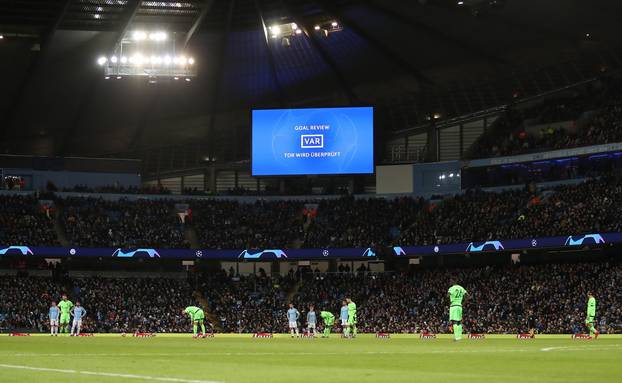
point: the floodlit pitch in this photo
(242, 358)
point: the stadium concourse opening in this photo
(232, 191)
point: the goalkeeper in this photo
(329, 321)
(197, 316)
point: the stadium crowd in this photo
(590, 206)
(97, 222)
(244, 304)
(601, 124)
(24, 221)
(499, 300)
(112, 304)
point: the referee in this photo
(531, 323)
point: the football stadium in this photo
(293, 191)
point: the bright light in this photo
(460, 2)
(153, 59)
(139, 35)
(107, 78)
(298, 31)
(317, 27)
(123, 60)
(167, 60)
(191, 61)
(119, 77)
(294, 26)
(188, 79)
(176, 78)
(102, 60)
(334, 24)
(451, 175)
(114, 59)
(276, 30)
(181, 60)
(158, 36)
(1, 37)
(137, 59)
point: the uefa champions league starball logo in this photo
(325, 253)
(72, 251)
(436, 249)
(534, 243)
(199, 253)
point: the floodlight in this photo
(191, 61)
(102, 60)
(317, 27)
(298, 31)
(334, 24)
(294, 26)
(123, 60)
(114, 59)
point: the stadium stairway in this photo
(59, 228)
(295, 289)
(191, 236)
(211, 318)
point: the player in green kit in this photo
(197, 316)
(591, 315)
(329, 321)
(65, 306)
(351, 319)
(457, 294)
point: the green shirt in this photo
(351, 309)
(591, 307)
(456, 295)
(65, 306)
(192, 310)
(327, 316)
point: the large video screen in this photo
(313, 141)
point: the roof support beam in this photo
(45, 41)
(207, 7)
(324, 54)
(380, 46)
(281, 93)
(217, 81)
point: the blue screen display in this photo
(313, 141)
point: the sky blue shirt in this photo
(292, 315)
(78, 312)
(311, 317)
(54, 312)
(344, 312)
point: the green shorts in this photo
(64, 318)
(352, 320)
(199, 316)
(455, 313)
(590, 319)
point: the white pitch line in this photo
(206, 354)
(580, 348)
(107, 374)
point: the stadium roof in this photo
(55, 100)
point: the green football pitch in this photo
(240, 358)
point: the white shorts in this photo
(344, 322)
(311, 325)
(54, 322)
(77, 322)
(293, 324)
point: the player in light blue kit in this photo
(311, 320)
(343, 316)
(78, 312)
(292, 318)
(54, 314)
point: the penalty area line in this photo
(106, 374)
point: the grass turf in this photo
(239, 358)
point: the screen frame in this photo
(374, 141)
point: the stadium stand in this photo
(595, 113)
(499, 298)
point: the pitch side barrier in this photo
(562, 242)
